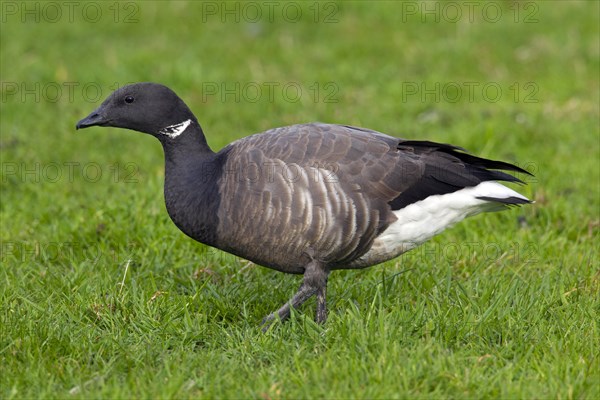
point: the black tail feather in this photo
(467, 158)
(449, 168)
(513, 201)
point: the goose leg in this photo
(321, 314)
(315, 282)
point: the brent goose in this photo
(311, 198)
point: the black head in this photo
(144, 107)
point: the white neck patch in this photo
(173, 131)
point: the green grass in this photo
(102, 297)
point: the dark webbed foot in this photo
(315, 282)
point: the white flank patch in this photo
(424, 219)
(173, 131)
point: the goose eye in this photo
(129, 99)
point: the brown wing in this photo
(311, 191)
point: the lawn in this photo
(102, 297)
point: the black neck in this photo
(190, 144)
(191, 191)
